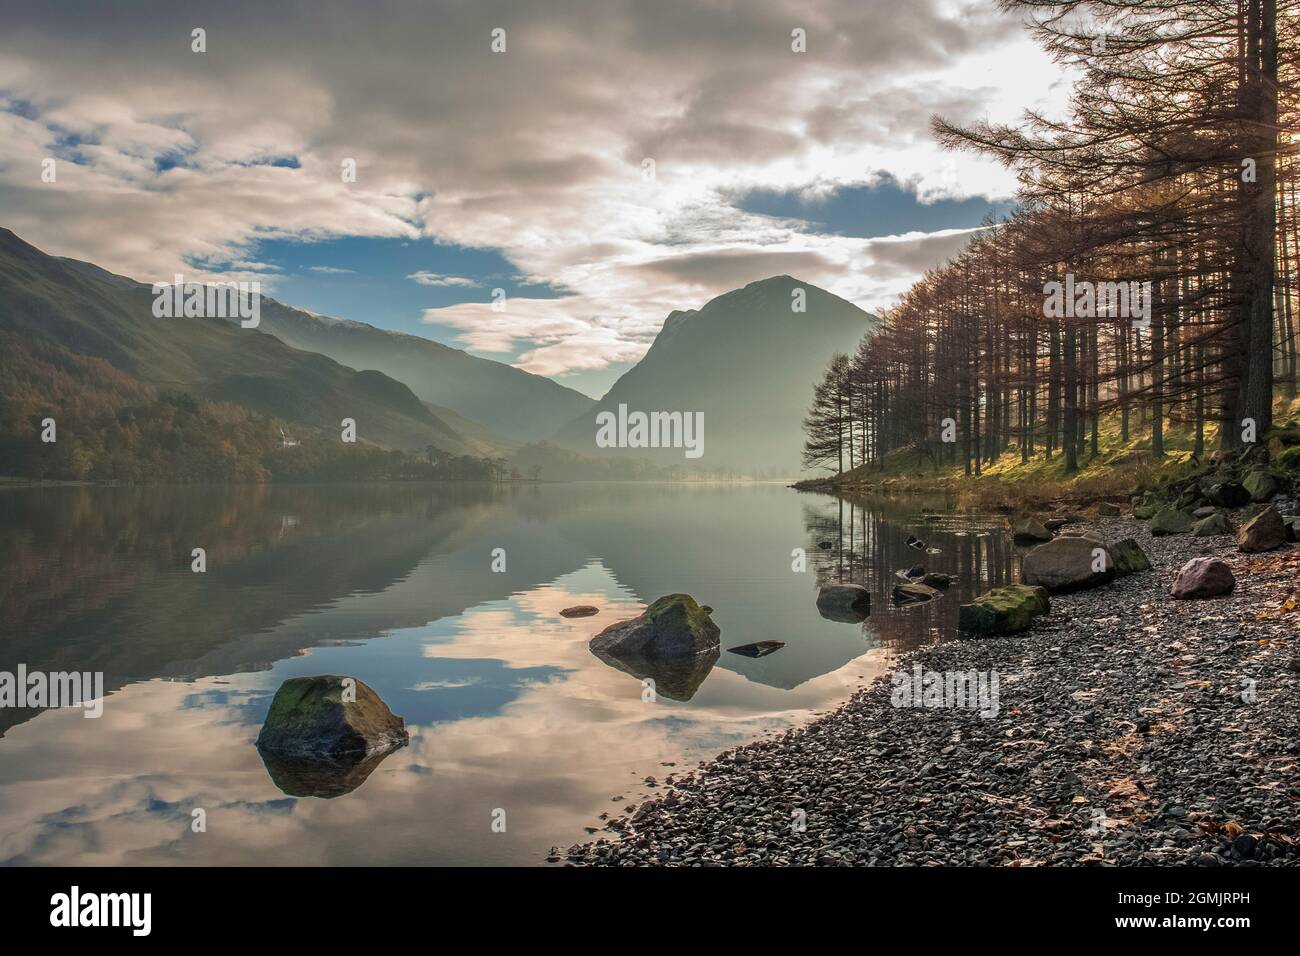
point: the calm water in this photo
(507, 708)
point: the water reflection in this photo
(507, 707)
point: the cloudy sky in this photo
(524, 170)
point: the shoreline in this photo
(1128, 732)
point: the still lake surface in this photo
(507, 707)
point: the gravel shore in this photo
(1132, 729)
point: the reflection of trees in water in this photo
(868, 544)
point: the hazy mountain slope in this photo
(748, 363)
(86, 311)
(514, 404)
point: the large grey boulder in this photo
(1030, 529)
(329, 717)
(1004, 610)
(1068, 564)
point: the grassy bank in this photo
(1115, 473)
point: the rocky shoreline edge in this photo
(1130, 729)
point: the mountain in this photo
(513, 404)
(748, 363)
(76, 338)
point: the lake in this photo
(512, 718)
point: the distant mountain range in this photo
(511, 405)
(748, 362)
(75, 335)
(64, 306)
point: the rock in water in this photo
(935, 579)
(324, 717)
(913, 593)
(674, 642)
(673, 626)
(843, 602)
(1068, 564)
(1028, 529)
(757, 649)
(1004, 610)
(1261, 485)
(1203, 578)
(1170, 521)
(579, 610)
(1215, 523)
(1264, 532)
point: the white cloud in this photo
(433, 279)
(536, 153)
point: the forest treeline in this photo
(110, 426)
(1149, 272)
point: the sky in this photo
(546, 204)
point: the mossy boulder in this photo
(1128, 556)
(1107, 510)
(1171, 521)
(1004, 610)
(331, 718)
(1145, 507)
(1215, 523)
(672, 626)
(1261, 485)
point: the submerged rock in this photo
(757, 649)
(843, 602)
(935, 579)
(1203, 578)
(672, 626)
(913, 593)
(579, 610)
(1004, 610)
(677, 678)
(1264, 532)
(1170, 521)
(329, 717)
(321, 777)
